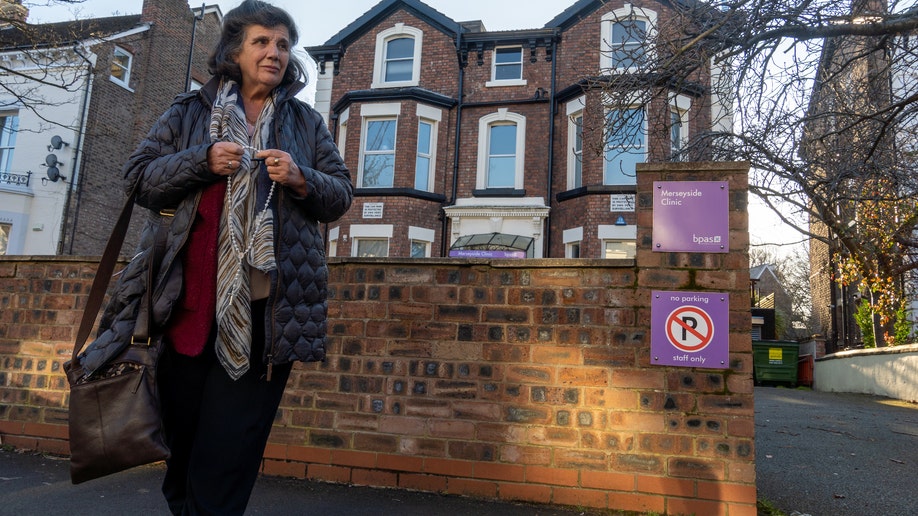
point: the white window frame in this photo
(503, 116)
(6, 231)
(375, 113)
(342, 131)
(618, 234)
(126, 80)
(629, 251)
(16, 222)
(370, 232)
(607, 163)
(573, 237)
(422, 235)
(8, 141)
(355, 246)
(575, 109)
(432, 116)
(400, 30)
(679, 105)
(607, 46)
(505, 82)
(333, 235)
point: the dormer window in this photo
(507, 67)
(398, 57)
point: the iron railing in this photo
(15, 179)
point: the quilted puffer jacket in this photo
(171, 166)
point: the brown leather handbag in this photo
(115, 421)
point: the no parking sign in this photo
(690, 329)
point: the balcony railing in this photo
(10, 178)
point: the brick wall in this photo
(519, 380)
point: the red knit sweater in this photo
(193, 317)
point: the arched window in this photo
(501, 150)
(398, 57)
(627, 36)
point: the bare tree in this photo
(793, 272)
(39, 57)
(825, 99)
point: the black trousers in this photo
(216, 428)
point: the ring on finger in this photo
(276, 161)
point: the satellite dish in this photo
(54, 174)
(57, 142)
(51, 160)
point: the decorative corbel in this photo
(479, 47)
(532, 51)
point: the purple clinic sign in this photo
(482, 253)
(690, 329)
(691, 216)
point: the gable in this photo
(386, 8)
(584, 8)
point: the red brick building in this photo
(163, 55)
(464, 142)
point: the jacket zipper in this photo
(271, 346)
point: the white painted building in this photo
(42, 110)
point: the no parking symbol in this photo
(690, 329)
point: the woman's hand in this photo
(223, 158)
(284, 171)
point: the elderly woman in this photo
(242, 173)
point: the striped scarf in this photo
(246, 238)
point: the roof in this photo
(583, 8)
(385, 8)
(755, 273)
(64, 33)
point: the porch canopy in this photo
(492, 245)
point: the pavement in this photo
(822, 454)
(831, 454)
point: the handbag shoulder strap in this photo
(104, 274)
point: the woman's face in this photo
(263, 57)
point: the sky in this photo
(318, 21)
